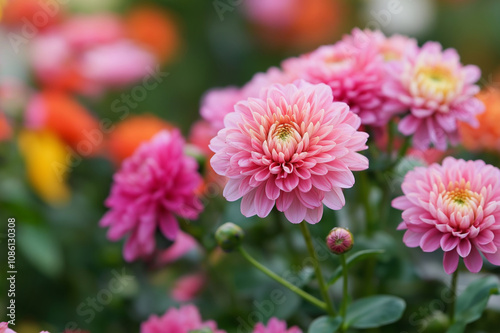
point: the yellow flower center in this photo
(436, 81)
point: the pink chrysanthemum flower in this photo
(456, 207)
(355, 75)
(293, 146)
(153, 186)
(437, 90)
(182, 320)
(275, 326)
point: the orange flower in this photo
(297, 24)
(487, 135)
(155, 29)
(40, 14)
(129, 134)
(60, 113)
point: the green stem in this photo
(345, 300)
(285, 283)
(454, 280)
(317, 269)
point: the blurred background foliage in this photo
(64, 258)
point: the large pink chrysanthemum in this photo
(275, 326)
(293, 146)
(153, 186)
(182, 320)
(355, 75)
(455, 206)
(218, 102)
(437, 90)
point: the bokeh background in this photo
(63, 257)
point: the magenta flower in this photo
(153, 186)
(182, 320)
(294, 147)
(437, 90)
(455, 207)
(355, 75)
(275, 326)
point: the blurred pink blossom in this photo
(154, 186)
(182, 320)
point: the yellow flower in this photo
(46, 164)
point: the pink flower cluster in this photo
(455, 207)
(294, 147)
(380, 78)
(154, 186)
(188, 318)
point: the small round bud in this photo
(229, 236)
(339, 240)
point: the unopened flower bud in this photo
(229, 236)
(339, 240)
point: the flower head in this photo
(339, 240)
(275, 326)
(455, 207)
(487, 135)
(353, 73)
(438, 90)
(153, 186)
(294, 147)
(182, 320)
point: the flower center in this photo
(436, 81)
(283, 131)
(460, 196)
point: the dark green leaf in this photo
(325, 324)
(358, 256)
(471, 303)
(374, 311)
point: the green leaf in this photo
(374, 311)
(325, 324)
(472, 302)
(40, 248)
(358, 256)
(458, 327)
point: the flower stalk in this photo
(317, 269)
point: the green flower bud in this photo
(229, 236)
